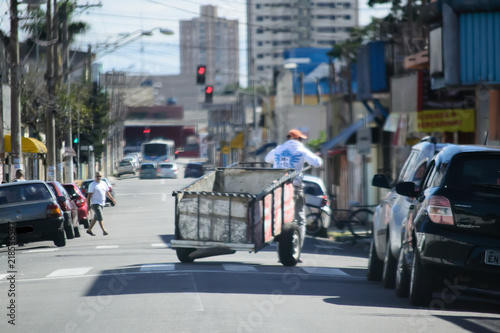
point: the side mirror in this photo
(381, 180)
(407, 189)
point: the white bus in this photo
(158, 150)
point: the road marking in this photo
(107, 246)
(324, 271)
(69, 272)
(328, 247)
(159, 245)
(41, 250)
(164, 197)
(239, 268)
(3, 275)
(157, 267)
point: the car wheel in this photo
(375, 265)
(389, 268)
(420, 282)
(60, 241)
(77, 231)
(289, 244)
(402, 276)
(70, 233)
(183, 254)
(314, 224)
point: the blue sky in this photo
(156, 54)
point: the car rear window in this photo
(167, 166)
(125, 163)
(28, 192)
(474, 169)
(70, 189)
(147, 166)
(312, 188)
(193, 166)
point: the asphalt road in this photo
(131, 281)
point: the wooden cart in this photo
(237, 209)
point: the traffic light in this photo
(209, 94)
(146, 131)
(201, 74)
(75, 140)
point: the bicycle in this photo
(357, 218)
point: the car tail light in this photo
(53, 210)
(80, 202)
(324, 202)
(158, 170)
(439, 210)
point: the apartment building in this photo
(278, 25)
(212, 41)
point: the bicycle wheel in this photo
(314, 224)
(361, 222)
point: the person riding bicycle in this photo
(292, 154)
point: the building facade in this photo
(211, 41)
(277, 25)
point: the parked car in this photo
(148, 170)
(69, 208)
(194, 169)
(315, 194)
(134, 160)
(81, 202)
(452, 233)
(167, 170)
(126, 167)
(86, 183)
(34, 208)
(392, 210)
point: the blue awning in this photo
(343, 136)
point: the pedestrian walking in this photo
(292, 154)
(19, 176)
(97, 193)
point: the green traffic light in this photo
(75, 140)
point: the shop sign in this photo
(446, 120)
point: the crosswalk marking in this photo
(69, 272)
(3, 276)
(324, 271)
(157, 267)
(159, 245)
(41, 250)
(107, 246)
(239, 268)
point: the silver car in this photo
(126, 167)
(167, 170)
(315, 194)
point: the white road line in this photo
(159, 245)
(157, 267)
(164, 197)
(107, 246)
(3, 276)
(328, 247)
(41, 250)
(324, 271)
(69, 272)
(239, 268)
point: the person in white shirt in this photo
(292, 154)
(19, 176)
(97, 193)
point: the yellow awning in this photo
(237, 141)
(28, 145)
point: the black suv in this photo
(451, 235)
(194, 169)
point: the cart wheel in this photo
(289, 244)
(183, 254)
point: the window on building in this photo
(259, 31)
(347, 17)
(260, 68)
(260, 43)
(259, 18)
(260, 56)
(259, 6)
(347, 4)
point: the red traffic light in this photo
(209, 90)
(147, 130)
(201, 70)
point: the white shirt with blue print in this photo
(292, 155)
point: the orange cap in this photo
(295, 134)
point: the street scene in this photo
(244, 166)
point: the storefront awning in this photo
(28, 145)
(343, 136)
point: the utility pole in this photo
(51, 90)
(65, 56)
(15, 139)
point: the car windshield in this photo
(28, 192)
